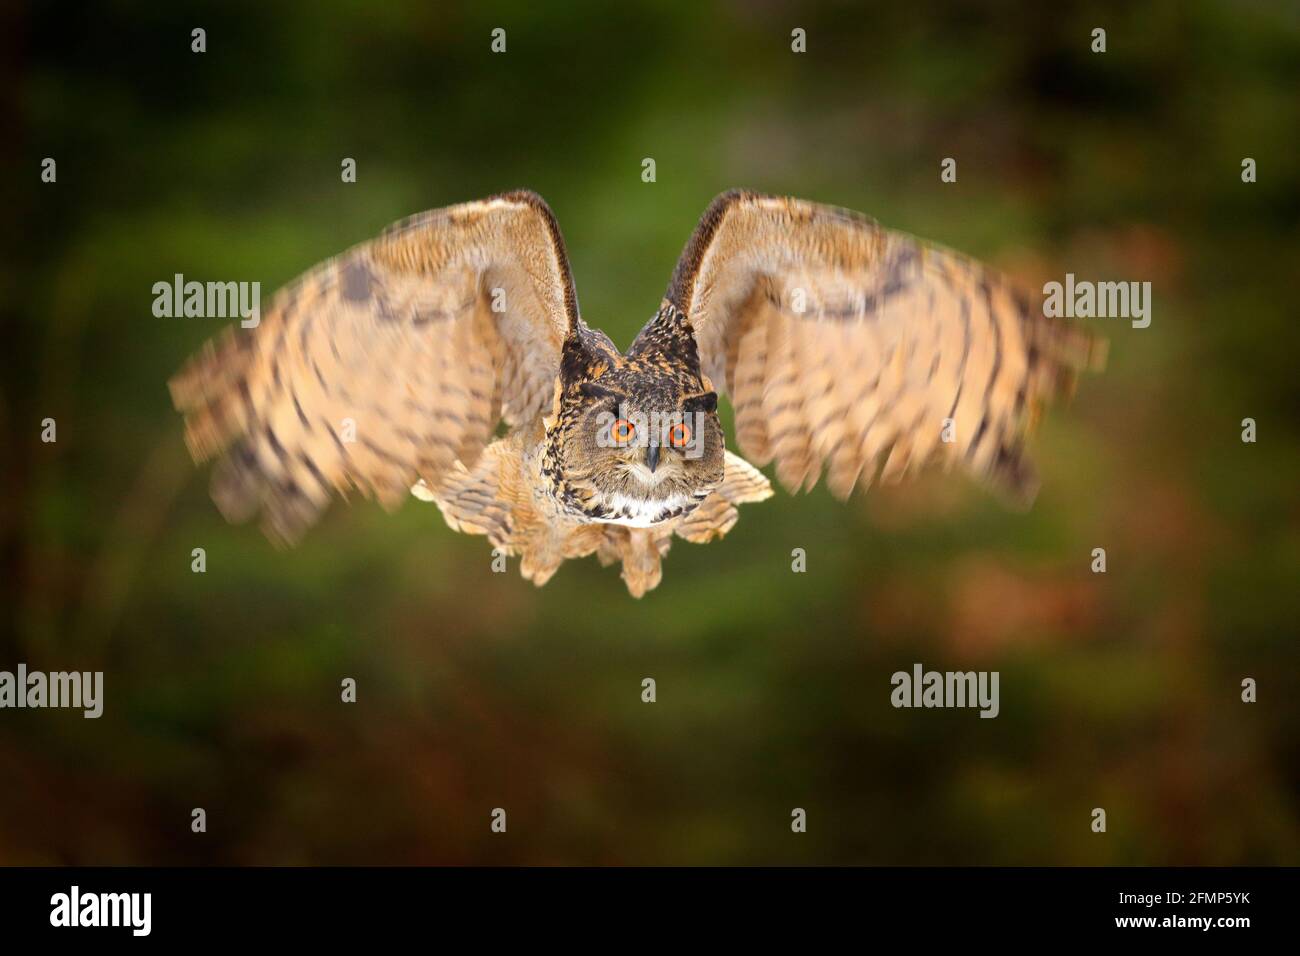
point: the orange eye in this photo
(622, 431)
(679, 435)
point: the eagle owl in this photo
(843, 347)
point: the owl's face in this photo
(636, 441)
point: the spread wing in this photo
(866, 352)
(385, 364)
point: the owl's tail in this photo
(642, 550)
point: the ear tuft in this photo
(668, 335)
(585, 354)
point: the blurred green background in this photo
(477, 690)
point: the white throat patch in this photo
(642, 512)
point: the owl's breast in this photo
(643, 512)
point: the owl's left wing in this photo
(390, 363)
(848, 347)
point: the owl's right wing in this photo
(384, 365)
(848, 347)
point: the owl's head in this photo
(634, 439)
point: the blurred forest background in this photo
(477, 690)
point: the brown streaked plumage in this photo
(844, 348)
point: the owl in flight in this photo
(843, 347)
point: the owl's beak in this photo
(652, 458)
